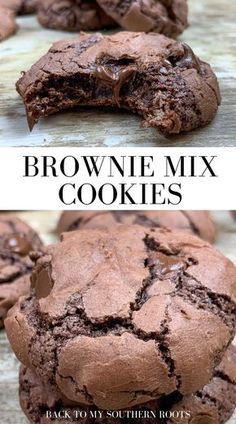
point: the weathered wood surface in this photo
(44, 222)
(212, 35)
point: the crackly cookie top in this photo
(199, 223)
(125, 316)
(85, 51)
(214, 404)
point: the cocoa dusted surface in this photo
(121, 317)
(8, 25)
(168, 17)
(17, 240)
(151, 75)
(214, 404)
(73, 15)
(199, 223)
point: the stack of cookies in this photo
(128, 321)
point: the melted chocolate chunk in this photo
(189, 59)
(114, 79)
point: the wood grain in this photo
(45, 223)
(212, 34)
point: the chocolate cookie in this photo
(17, 239)
(13, 5)
(8, 24)
(233, 214)
(73, 15)
(28, 6)
(20, 7)
(199, 223)
(121, 317)
(168, 17)
(214, 404)
(158, 78)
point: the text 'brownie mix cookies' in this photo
(17, 240)
(73, 15)
(168, 17)
(199, 223)
(214, 404)
(121, 317)
(149, 74)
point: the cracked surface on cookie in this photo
(149, 74)
(199, 223)
(168, 17)
(73, 15)
(17, 239)
(124, 316)
(214, 404)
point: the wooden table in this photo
(44, 222)
(212, 35)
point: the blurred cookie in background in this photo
(199, 223)
(8, 25)
(17, 240)
(73, 15)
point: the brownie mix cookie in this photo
(8, 25)
(169, 17)
(28, 6)
(214, 404)
(233, 214)
(73, 15)
(13, 5)
(121, 317)
(158, 78)
(20, 7)
(199, 223)
(17, 239)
